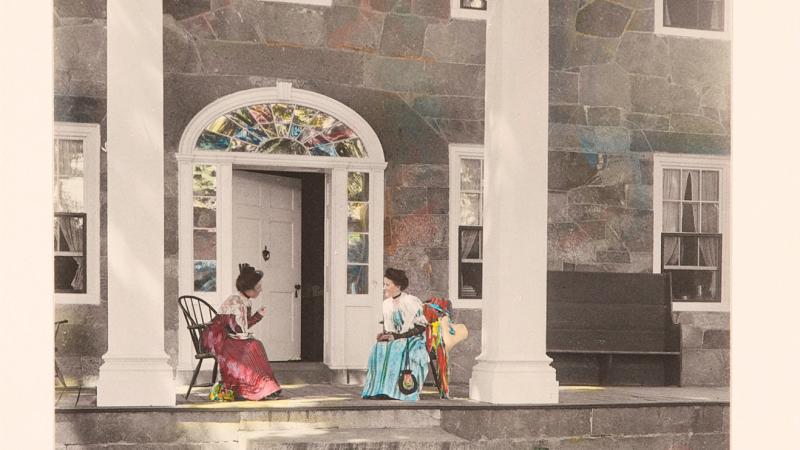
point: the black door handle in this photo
(265, 254)
(296, 290)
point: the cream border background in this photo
(765, 301)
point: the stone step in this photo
(323, 419)
(301, 372)
(428, 438)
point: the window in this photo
(694, 18)
(204, 227)
(357, 232)
(466, 225)
(76, 206)
(691, 210)
(468, 9)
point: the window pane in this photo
(711, 15)
(70, 234)
(710, 185)
(695, 285)
(690, 185)
(690, 222)
(205, 244)
(358, 216)
(205, 276)
(470, 209)
(709, 251)
(68, 176)
(710, 218)
(205, 212)
(357, 277)
(70, 274)
(471, 174)
(680, 13)
(689, 251)
(670, 250)
(671, 219)
(357, 248)
(470, 243)
(204, 180)
(358, 186)
(672, 184)
(470, 280)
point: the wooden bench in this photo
(612, 329)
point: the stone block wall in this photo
(79, 39)
(618, 93)
(705, 346)
(416, 76)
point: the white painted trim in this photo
(89, 133)
(283, 92)
(686, 32)
(457, 12)
(457, 152)
(663, 161)
(335, 168)
(303, 2)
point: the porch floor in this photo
(334, 396)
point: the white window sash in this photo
(457, 153)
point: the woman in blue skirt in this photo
(402, 340)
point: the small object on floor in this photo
(274, 396)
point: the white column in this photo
(135, 371)
(513, 367)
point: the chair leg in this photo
(194, 378)
(60, 375)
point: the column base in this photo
(513, 382)
(136, 381)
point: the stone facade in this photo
(79, 37)
(618, 93)
(706, 348)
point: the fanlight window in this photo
(281, 128)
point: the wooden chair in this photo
(198, 314)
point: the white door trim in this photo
(339, 305)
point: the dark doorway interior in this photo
(312, 274)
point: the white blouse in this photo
(402, 313)
(237, 305)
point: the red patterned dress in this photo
(242, 359)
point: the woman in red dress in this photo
(242, 359)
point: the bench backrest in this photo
(596, 311)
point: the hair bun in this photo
(244, 268)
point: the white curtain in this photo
(70, 228)
(671, 211)
(468, 239)
(710, 252)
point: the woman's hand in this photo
(262, 311)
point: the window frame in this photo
(457, 12)
(663, 161)
(89, 133)
(457, 153)
(660, 29)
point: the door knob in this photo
(296, 290)
(265, 254)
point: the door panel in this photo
(266, 211)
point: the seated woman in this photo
(242, 359)
(402, 340)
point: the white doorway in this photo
(266, 235)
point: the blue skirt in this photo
(387, 360)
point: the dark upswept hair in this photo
(248, 277)
(398, 277)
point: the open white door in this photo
(266, 234)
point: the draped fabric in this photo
(387, 358)
(72, 230)
(671, 214)
(435, 309)
(467, 241)
(709, 250)
(242, 359)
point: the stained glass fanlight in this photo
(281, 128)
